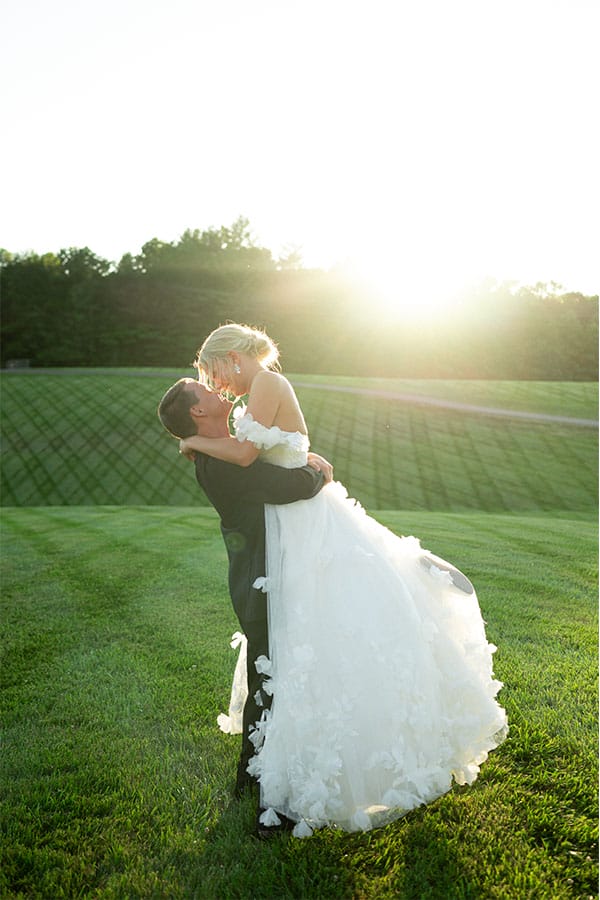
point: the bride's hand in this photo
(321, 465)
(186, 450)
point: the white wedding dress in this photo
(380, 671)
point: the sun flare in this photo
(415, 294)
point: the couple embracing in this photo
(367, 685)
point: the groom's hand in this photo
(321, 465)
(186, 451)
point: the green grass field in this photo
(116, 782)
(576, 399)
(95, 439)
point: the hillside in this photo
(92, 437)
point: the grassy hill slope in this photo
(93, 438)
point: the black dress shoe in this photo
(265, 832)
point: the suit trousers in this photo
(258, 645)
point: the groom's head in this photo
(188, 408)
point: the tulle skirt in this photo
(380, 671)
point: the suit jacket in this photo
(239, 494)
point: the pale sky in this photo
(430, 140)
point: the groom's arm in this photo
(263, 483)
(273, 484)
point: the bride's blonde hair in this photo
(212, 355)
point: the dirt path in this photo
(419, 400)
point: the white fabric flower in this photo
(302, 830)
(263, 665)
(270, 818)
(258, 732)
(261, 584)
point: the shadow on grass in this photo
(409, 858)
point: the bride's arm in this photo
(228, 449)
(263, 404)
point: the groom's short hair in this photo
(174, 409)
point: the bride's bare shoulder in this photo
(272, 401)
(271, 381)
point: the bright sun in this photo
(413, 294)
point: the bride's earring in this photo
(236, 369)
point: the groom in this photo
(239, 495)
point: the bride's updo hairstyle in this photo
(212, 359)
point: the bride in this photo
(380, 671)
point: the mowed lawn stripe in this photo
(117, 782)
(74, 439)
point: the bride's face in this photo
(231, 375)
(223, 380)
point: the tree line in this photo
(74, 308)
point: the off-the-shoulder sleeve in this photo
(246, 429)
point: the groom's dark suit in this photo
(239, 494)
